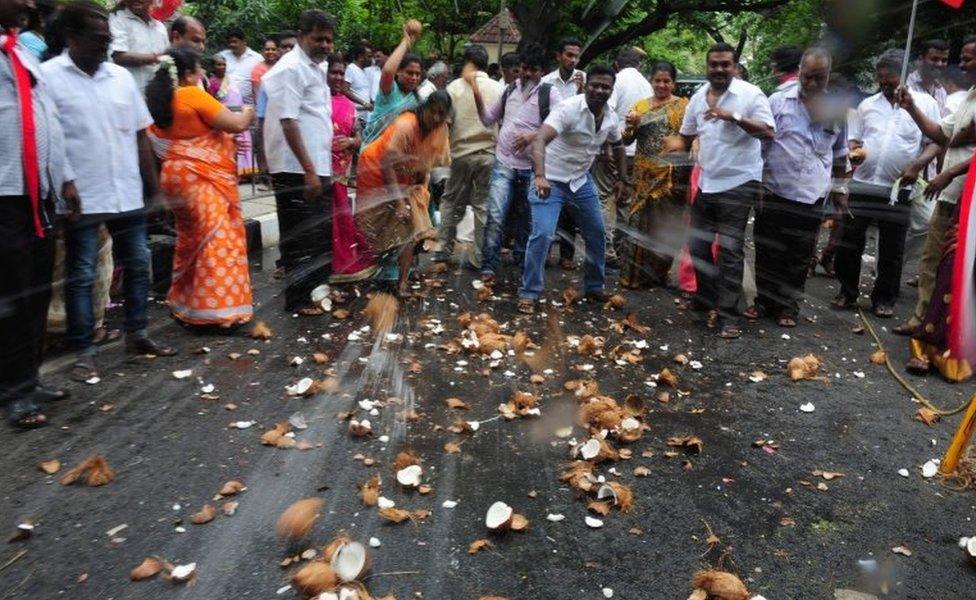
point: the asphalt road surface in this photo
(172, 450)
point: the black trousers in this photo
(725, 214)
(872, 205)
(26, 265)
(305, 232)
(786, 238)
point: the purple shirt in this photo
(521, 116)
(800, 157)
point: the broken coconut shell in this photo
(350, 561)
(314, 578)
(499, 516)
(719, 585)
(147, 569)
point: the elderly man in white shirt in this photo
(730, 118)
(895, 153)
(104, 118)
(630, 86)
(241, 60)
(298, 148)
(137, 40)
(575, 132)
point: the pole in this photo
(908, 43)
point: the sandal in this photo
(730, 332)
(883, 311)
(526, 306)
(24, 414)
(103, 335)
(712, 320)
(842, 302)
(84, 369)
(751, 313)
(905, 329)
(918, 366)
(786, 322)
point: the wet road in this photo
(172, 450)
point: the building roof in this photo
(488, 34)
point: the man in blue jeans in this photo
(520, 110)
(104, 118)
(577, 129)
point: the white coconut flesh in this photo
(605, 492)
(971, 547)
(590, 449)
(499, 515)
(410, 476)
(350, 561)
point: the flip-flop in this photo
(526, 306)
(83, 370)
(883, 311)
(786, 322)
(918, 366)
(730, 332)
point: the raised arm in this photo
(392, 64)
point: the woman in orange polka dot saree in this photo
(211, 283)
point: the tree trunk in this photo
(537, 22)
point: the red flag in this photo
(953, 3)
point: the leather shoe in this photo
(148, 346)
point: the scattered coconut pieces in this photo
(297, 520)
(95, 469)
(804, 367)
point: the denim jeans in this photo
(584, 206)
(508, 190)
(131, 248)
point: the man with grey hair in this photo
(895, 151)
(438, 75)
(809, 145)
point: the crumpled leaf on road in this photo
(478, 545)
(95, 469)
(689, 442)
(147, 569)
(927, 416)
(804, 367)
(589, 345)
(50, 466)
(369, 492)
(297, 520)
(206, 514)
(719, 585)
(261, 331)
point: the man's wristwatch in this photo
(737, 117)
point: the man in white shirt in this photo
(360, 58)
(137, 40)
(438, 76)
(241, 60)
(896, 151)
(630, 86)
(575, 132)
(946, 187)
(374, 72)
(472, 156)
(104, 118)
(567, 79)
(298, 148)
(730, 118)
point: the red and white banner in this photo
(162, 10)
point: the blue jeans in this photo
(131, 248)
(584, 207)
(508, 190)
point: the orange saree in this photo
(211, 283)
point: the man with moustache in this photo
(138, 40)
(729, 117)
(298, 149)
(577, 129)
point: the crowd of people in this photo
(120, 117)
